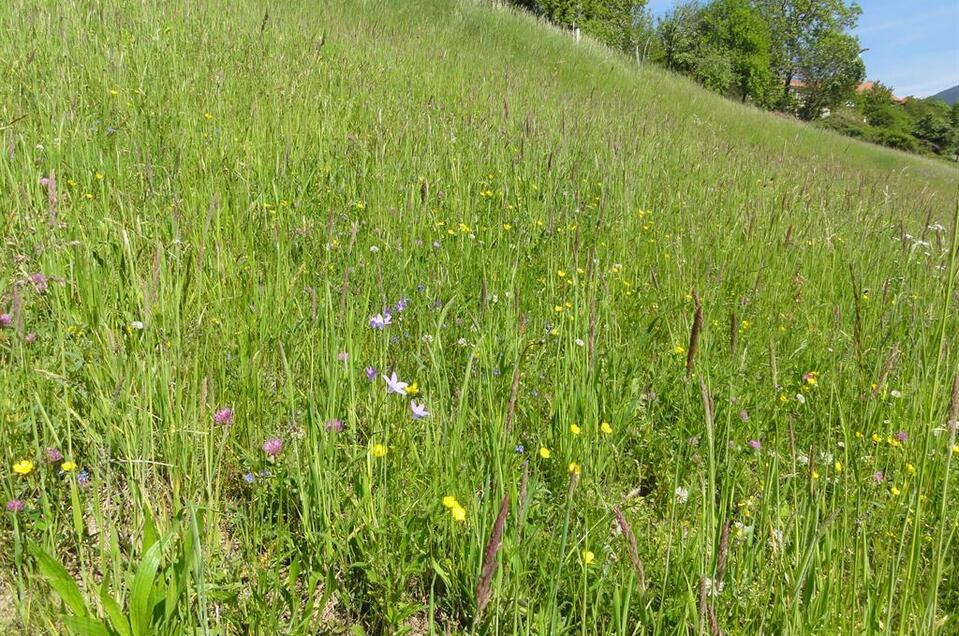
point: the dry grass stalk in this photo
(633, 547)
(694, 335)
(489, 557)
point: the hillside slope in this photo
(207, 209)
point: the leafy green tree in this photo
(831, 70)
(810, 41)
(737, 29)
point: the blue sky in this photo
(913, 44)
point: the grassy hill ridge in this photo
(208, 211)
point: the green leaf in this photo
(119, 622)
(60, 580)
(141, 607)
(85, 626)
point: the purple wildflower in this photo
(31, 337)
(273, 446)
(755, 444)
(902, 436)
(334, 426)
(53, 455)
(223, 416)
(39, 282)
(379, 321)
(342, 356)
(5, 320)
(394, 385)
(520, 449)
(248, 478)
(744, 415)
(878, 477)
(419, 410)
(371, 373)
(15, 506)
(83, 478)
(401, 304)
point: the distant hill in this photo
(950, 95)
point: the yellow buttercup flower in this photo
(450, 502)
(574, 468)
(459, 513)
(606, 428)
(23, 467)
(894, 491)
(838, 466)
(413, 389)
(378, 450)
(67, 466)
(588, 557)
(544, 452)
(910, 469)
(574, 429)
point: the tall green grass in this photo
(232, 190)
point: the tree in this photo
(612, 22)
(810, 41)
(723, 45)
(831, 69)
(736, 28)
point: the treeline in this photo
(924, 126)
(793, 56)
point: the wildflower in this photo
(223, 416)
(450, 502)
(334, 426)
(606, 428)
(588, 557)
(39, 282)
(419, 410)
(800, 398)
(83, 478)
(5, 320)
(574, 468)
(273, 446)
(394, 385)
(379, 321)
(137, 325)
(955, 449)
(53, 455)
(877, 438)
(68, 466)
(894, 491)
(23, 467)
(520, 449)
(810, 378)
(679, 350)
(579, 342)
(910, 469)
(401, 304)
(838, 466)
(458, 513)
(378, 450)
(413, 389)
(815, 475)
(544, 452)
(744, 415)
(371, 373)
(681, 495)
(342, 356)
(878, 477)
(902, 436)
(755, 444)
(574, 429)
(15, 506)
(248, 478)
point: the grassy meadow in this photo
(664, 364)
